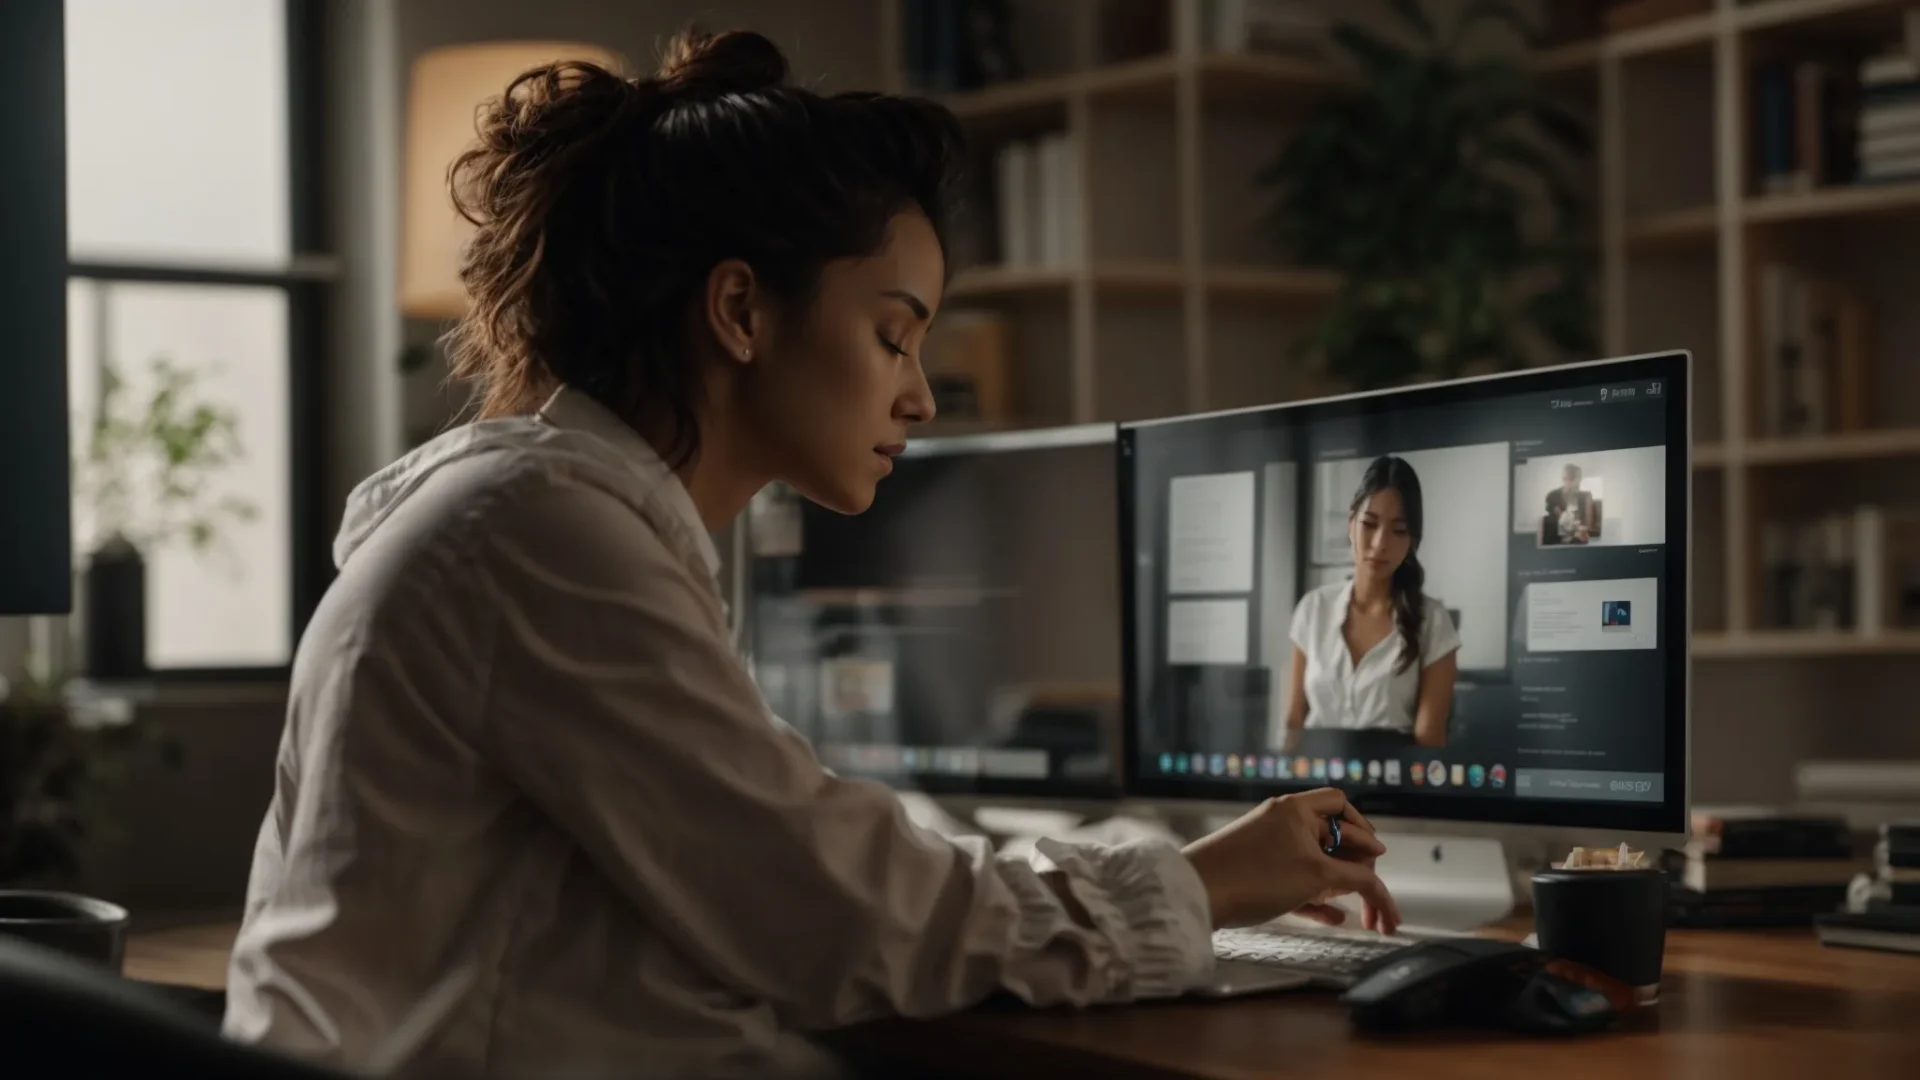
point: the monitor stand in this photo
(1446, 885)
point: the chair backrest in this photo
(58, 1008)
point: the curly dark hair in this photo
(603, 203)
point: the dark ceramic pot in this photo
(68, 922)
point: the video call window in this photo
(1525, 658)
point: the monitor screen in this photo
(962, 636)
(36, 555)
(1466, 600)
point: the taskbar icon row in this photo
(1387, 772)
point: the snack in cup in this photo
(1620, 858)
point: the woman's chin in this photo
(849, 498)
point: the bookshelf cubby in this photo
(1176, 302)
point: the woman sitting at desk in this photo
(1375, 653)
(525, 777)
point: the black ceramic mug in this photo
(1614, 921)
(76, 925)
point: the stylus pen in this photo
(1333, 845)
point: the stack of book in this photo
(1890, 115)
(1760, 868)
(1806, 116)
(1837, 119)
(1883, 911)
(1036, 188)
(1896, 861)
(1815, 353)
(968, 357)
(952, 45)
(1857, 571)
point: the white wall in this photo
(1631, 485)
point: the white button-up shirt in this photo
(1373, 693)
(520, 744)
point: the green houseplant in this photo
(60, 757)
(143, 480)
(1442, 188)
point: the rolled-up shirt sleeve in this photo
(619, 707)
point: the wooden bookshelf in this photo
(987, 282)
(1861, 200)
(1689, 276)
(1175, 307)
(1848, 446)
(1808, 644)
(1694, 227)
(1691, 33)
(1809, 15)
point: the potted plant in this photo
(1442, 188)
(144, 480)
(60, 758)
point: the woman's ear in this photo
(731, 310)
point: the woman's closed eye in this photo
(890, 345)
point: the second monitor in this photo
(960, 637)
(1460, 601)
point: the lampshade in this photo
(444, 93)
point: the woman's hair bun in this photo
(736, 62)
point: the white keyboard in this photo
(1331, 957)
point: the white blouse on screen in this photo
(1374, 693)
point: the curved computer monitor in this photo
(1554, 546)
(962, 636)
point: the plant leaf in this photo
(1496, 11)
(1415, 16)
(1374, 54)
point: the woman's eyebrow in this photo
(917, 305)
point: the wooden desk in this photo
(1734, 1004)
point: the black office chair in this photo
(61, 1016)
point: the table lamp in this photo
(445, 90)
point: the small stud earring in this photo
(746, 354)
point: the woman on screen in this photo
(1376, 653)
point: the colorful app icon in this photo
(1417, 773)
(1458, 778)
(1336, 769)
(1266, 767)
(1302, 768)
(1355, 769)
(1180, 763)
(1498, 774)
(1436, 773)
(1392, 770)
(1166, 763)
(1476, 776)
(1319, 768)
(1217, 764)
(1283, 766)
(1373, 772)
(1233, 764)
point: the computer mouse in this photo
(1438, 982)
(1549, 1003)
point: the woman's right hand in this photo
(1272, 861)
